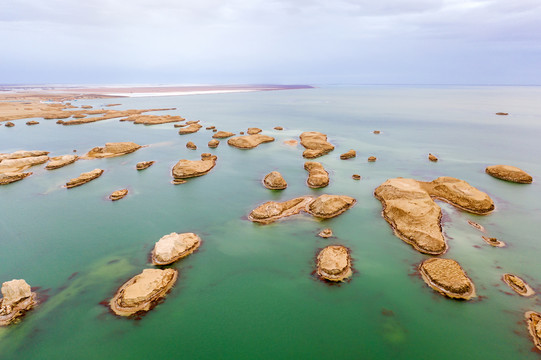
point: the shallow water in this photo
(249, 291)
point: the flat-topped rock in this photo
(372, 159)
(249, 141)
(17, 298)
(173, 247)
(253, 131)
(325, 233)
(60, 161)
(413, 215)
(509, 173)
(316, 144)
(32, 122)
(356, 177)
(111, 150)
(153, 119)
(143, 291)
(23, 154)
(214, 143)
(190, 145)
(348, 155)
(432, 157)
(119, 194)
(533, 321)
(377, 132)
(222, 135)
(184, 169)
(278, 128)
(273, 210)
(10, 177)
(318, 177)
(191, 128)
(21, 164)
(518, 285)
(447, 277)
(334, 263)
(492, 241)
(144, 164)
(328, 206)
(274, 181)
(502, 113)
(84, 178)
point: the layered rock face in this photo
(222, 134)
(21, 164)
(533, 320)
(273, 210)
(84, 178)
(334, 263)
(143, 291)
(33, 122)
(111, 150)
(328, 206)
(10, 177)
(17, 299)
(60, 161)
(318, 177)
(448, 278)
(173, 247)
(316, 144)
(249, 141)
(348, 155)
(509, 173)
(413, 215)
(119, 194)
(274, 181)
(143, 165)
(13, 164)
(191, 128)
(187, 168)
(518, 285)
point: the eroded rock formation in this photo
(348, 155)
(533, 320)
(144, 164)
(432, 157)
(518, 285)
(191, 128)
(17, 299)
(273, 210)
(334, 263)
(190, 145)
(60, 161)
(84, 178)
(509, 173)
(447, 277)
(188, 168)
(214, 143)
(119, 194)
(318, 177)
(274, 181)
(111, 150)
(222, 134)
(328, 206)
(316, 144)
(325, 233)
(249, 141)
(173, 247)
(253, 131)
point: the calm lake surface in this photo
(249, 292)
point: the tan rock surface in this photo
(84, 178)
(291, 142)
(153, 119)
(518, 285)
(111, 150)
(191, 128)
(21, 164)
(273, 210)
(509, 173)
(249, 141)
(253, 131)
(222, 134)
(334, 263)
(60, 161)
(33, 122)
(325, 233)
(10, 124)
(278, 128)
(143, 291)
(348, 155)
(144, 164)
(22, 154)
(316, 144)
(318, 177)
(447, 277)
(187, 168)
(377, 132)
(106, 115)
(213, 143)
(432, 157)
(533, 321)
(274, 181)
(492, 241)
(372, 159)
(10, 177)
(356, 177)
(119, 194)
(190, 145)
(17, 299)
(502, 113)
(173, 247)
(328, 206)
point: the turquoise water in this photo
(249, 292)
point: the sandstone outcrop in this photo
(371, 159)
(173, 247)
(111, 150)
(10, 124)
(153, 119)
(106, 115)
(348, 155)
(509, 173)
(334, 263)
(518, 285)
(316, 144)
(187, 168)
(210, 127)
(356, 177)
(278, 128)
(477, 226)
(60, 161)
(192, 122)
(274, 181)
(22, 154)
(318, 177)
(502, 113)
(119, 194)
(10, 177)
(191, 128)
(180, 125)
(325, 233)
(273, 210)
(191, 145)
(84, 178)
(214, 143)
(377, 132)
(21, 164)
(447, 277)
(328, 206)
(253, 131)
(143, 291)
(17, 299)
(492, 241)
(432, 157)
(533, 320)
(32, 122)
(144, 164)
(222, 134)
(249, 141)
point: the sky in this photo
(270, 41)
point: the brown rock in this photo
(274, 181)
(432, 157)
(143, 291)
(242, 133)
(144, 164)
(278, 128)
(253, 131)
(377, 132)
(214, 130)
(448, 278)
(328, 206)
(112, 104)
(21, 164)
(86, 107)
(76, 116)
(22, 154)
(153, 119)
(315, 143)
(84, 178)
(191, 145)
(477, 226)
(10, 124)
(111, 150)
(325, 233)
(518, 285)
(249, 141)
(178, 181)
(17, 299)
(60, 161)
(214, 143)
(187, 168)
(192, 122)
(334, 263)
(372, 159)
(222, 135)
(502, 113)
(191, 128)
(493, 241)
(509, 173)
(272, 210)
(534, 327)
(60, 122)
(10, 177)
(180, 125)
(318, 177)
(33, 122)
(173, 247)
(348, 155)
(210, 127)
(356, 177)
(119, 194)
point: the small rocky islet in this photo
(318, 177)
(316, 144)
(17, 298)
(509, 173)
(173, 247)
(185, 169)
(334, 263)
(118, 194)
(518, 285)
(111, 150)
(274, 181)
(447, 277)
(84, 178)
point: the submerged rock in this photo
(191, 128)
(191, 145)
(291, 142)
(492, 241)
(533, 320)
(144, 164)
(173, 247)
(518, 285)
(509, 173)
(318, 177)
(334, 263)
(187, 168)
(447, 277)
(17, 299)
(222, 135)
(10, 177)
(273, 210)
(84, 178)
(432, 157)
(111, 150)
(143, 291)
(249, 141)
(325, 233)
(348, 155)
(274, 181)
(328, 206)
(316, 144)
(60, 161)
(253, 131)
(119, 194)
(214, 143)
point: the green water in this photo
(249, 292)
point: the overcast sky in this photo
(271, 41)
